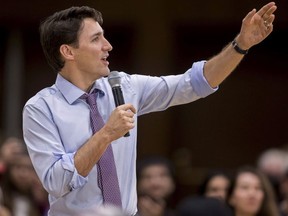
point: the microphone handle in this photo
(119, 100)
(118, 96)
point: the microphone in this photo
(114, 80)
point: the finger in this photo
(269, 29)
(269, 13)
(129, 114)
(271, 10)
(131, 120)
(269, 21)
(130, 117)
(266, 8)
(131, 107)
(126, 107)
(249, 16)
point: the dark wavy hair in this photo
(63, 27)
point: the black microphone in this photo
(114, 80)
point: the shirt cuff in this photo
(198, 80)
(77, 180)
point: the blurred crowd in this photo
(21, 192)
(251, 190)
(260, 189)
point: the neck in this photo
(77, 79)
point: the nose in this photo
(107, 46)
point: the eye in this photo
(95, 39)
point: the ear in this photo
(67, 52)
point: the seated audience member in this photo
(155, 186)
(251, 194)
(18, 185)
(8, 149)
(273, 163)
(215, 184)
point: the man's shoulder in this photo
(43, 95)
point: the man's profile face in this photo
(92, 52)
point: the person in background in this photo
(65, 141)
(273, 162)
(155, 177)
(18, 185)
(251, 194)
(215, 184)
(8, 149)
(210, 199)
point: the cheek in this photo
(142, 184)
(260, 196)
(237, 198)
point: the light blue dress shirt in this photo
(56, 123)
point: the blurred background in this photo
(246, 116)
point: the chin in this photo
(107, 72)
(253, 211)
(104, 73)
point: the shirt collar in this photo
(71, 92)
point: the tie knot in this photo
(90, 98)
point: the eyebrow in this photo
(98, 33)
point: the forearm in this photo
(222, 65)
(119, 123)
(90, 153)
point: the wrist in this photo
(105, 136)
(239, 49)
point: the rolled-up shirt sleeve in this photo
(53, 165)
(68, 164)
(198, 80)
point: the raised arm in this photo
(256, 26)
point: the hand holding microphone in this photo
(114, 80)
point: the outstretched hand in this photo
(256, 26)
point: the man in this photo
(66, 148)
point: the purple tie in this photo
(107, 175)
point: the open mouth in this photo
(104, 59)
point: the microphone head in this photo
(114, 79)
